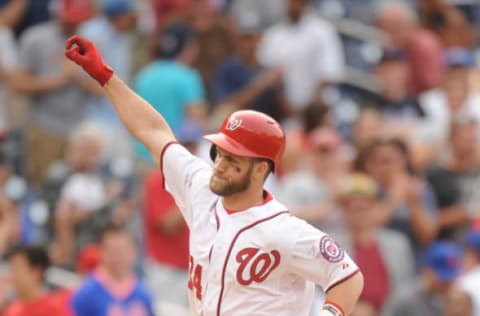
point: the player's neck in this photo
(242, 201)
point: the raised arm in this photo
(138, 116)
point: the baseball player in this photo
(248, 256)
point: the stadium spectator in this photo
(82, 194)
(448, 22)
(170, 84)
(399, 108)
(58, 90)
(268, 11)
(15, 222)
(116, 34)
(309, 51)
(470, 280)
(89, 196)
(28, 265)
(422, 48)
(23, 14)
(113, 289)
(426, 295)
(369, 125)
(376, 249)
(242, 83)
(442, 105)
(310, 191)
(408, 202)
(455, 180)
(8, 63)
(214, 37)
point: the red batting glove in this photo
(85, 54)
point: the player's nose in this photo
(220, 165)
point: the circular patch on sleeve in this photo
(330, 249)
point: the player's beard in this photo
(227, 188)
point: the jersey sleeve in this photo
(317, 257)
(186, 178)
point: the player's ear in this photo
(262, 169)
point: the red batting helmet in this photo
(252, 134)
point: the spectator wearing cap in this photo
(456, 180)
(57, 88)
(170, 84)
(308, 49)
(242, 83)
(166, 233)
(442, 105)
(469, 282)
(425, 296)
(377, 250)
(422, 48)
(28, 265)
(115, 34)
(113, 288)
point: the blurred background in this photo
(380, 101)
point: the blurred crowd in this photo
(380, 100)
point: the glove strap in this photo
(331, 309)
(104, 75)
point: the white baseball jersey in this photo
(260, 261)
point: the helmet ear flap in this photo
(213, 152)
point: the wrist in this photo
(331, 309)
(104, 75)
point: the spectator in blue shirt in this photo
(241, 82)
(113, 288)
(170, 84)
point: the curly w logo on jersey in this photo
(255, 268)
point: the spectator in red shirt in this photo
(422, 48)
(166, 234)
(28, 265)
(377, 250)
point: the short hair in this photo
(271, 165)
(386, 5)
(114, 229)
(314, 115)
(36, 256)
(86, 130)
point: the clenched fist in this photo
(85, 54)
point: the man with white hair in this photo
(422, 48)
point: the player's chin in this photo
(219, 186)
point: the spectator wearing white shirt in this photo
(442, 106)
(307, 48)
